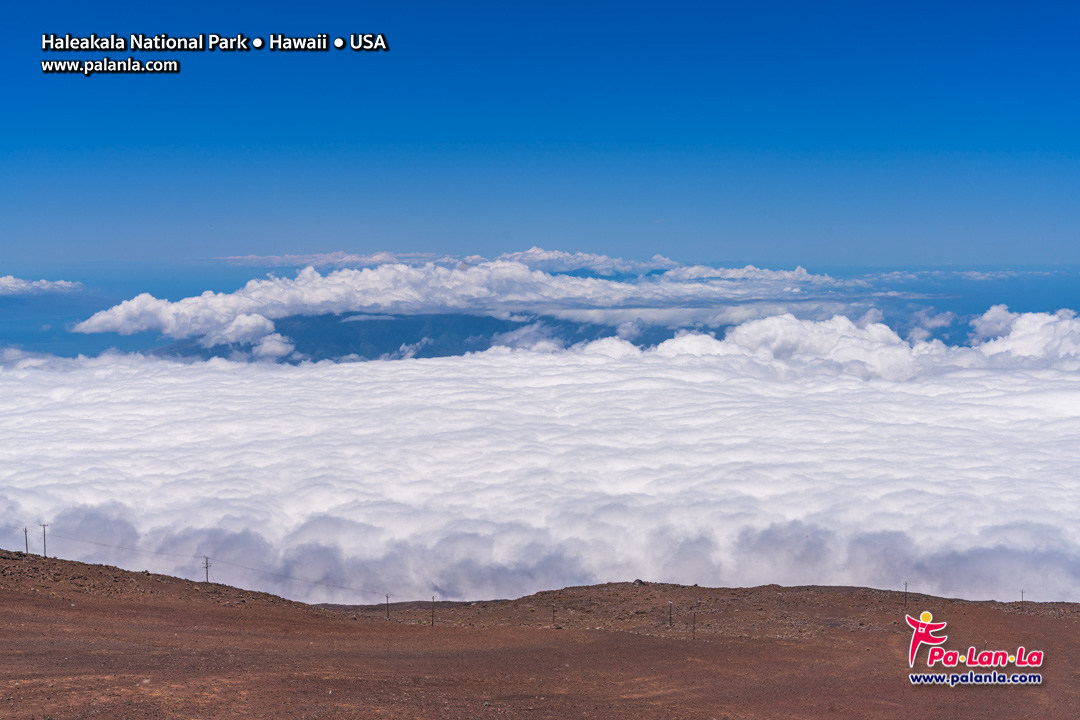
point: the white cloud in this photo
(10, 285)
(1035, 335)
(534, 258)
(792, 451)
(498, 287)
(925, 321)
(537, 337)
(558, 261)
(995, 322)
(705, 272)
(407, 351)
(939, 275)
(272, 346)
(339, 259)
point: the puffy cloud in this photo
(995, 322)
(1036, 335)
(925, 321)
(499, 287)
(1008, 335)
(243, 328)
(10, 285)
(791, 451)
(272, 346)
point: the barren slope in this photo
(91, 641)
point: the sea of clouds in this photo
(793, 450)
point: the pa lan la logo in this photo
(923, 631)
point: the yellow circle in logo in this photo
(926, 617)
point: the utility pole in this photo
(387, 607)
(552, 614)
(26, 540)
(432, 611)
(1021, 600)
(905, 594)
(44, 548)
(694, 636)
(206, 566)
(670, 622)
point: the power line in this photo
(219, 560)
(299, 580)
(128, 549)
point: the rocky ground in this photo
(92, 641)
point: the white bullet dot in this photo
(257, 43)
(339, 43)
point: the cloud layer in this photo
(502, 287)
(534, 258)
(11, 285)
(792, 451)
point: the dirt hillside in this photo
(92, 641)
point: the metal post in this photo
(432, 611)
(26, 540)
(905, 594)
(44, 547)
(670, 621)
(387, 607)
(694, 636)
(552, 614)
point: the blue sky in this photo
(775, 133)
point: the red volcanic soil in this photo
(92, 641)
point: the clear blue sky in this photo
(775, 133)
